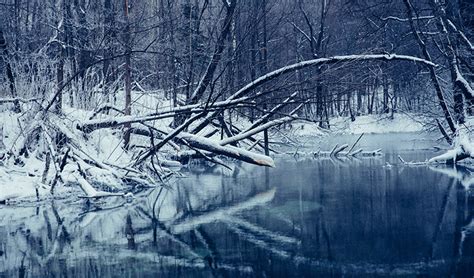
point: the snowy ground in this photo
(362, 124)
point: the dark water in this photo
(307, 217)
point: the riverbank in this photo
(368, 124)
(23, 180)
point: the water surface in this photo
(307, 217)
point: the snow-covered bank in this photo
(100, 156)
(362, 124)
(26, 178)
(378, 124)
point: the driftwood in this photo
(340, 151)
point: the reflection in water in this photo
(306, 218)
(463, 177)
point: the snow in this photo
(463, 146)
(20, 183)
(11, 127)
(23, 182)
(463, 36)
(231, 151)
(377, 124)
(460, 78)
(367, 124)
(24, 186)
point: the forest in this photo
(105, 99)
(165, 76)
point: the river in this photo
(305, 218)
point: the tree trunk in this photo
(385, 108)
(108, 33)
(433, 75)
(9, 72)
(127, 76)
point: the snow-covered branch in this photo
(462, 35)
(255, 130)
(467, 89)
(18, 99)
(395, 18)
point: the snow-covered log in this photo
(94, 124)
(90, 191)
(428, 17)
(272, 111)
(338, 150)
(412, 163)
(167, 138)
(329, 60)
(230, 151)
(260, 124)
(462, 148)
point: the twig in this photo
(355, 143)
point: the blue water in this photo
(307, 217)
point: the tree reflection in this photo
(463, 179)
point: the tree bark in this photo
(9, 71)
(127, 76)
(433, 75)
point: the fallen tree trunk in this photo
(463, 148)
(310, 63)
(230, 151)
